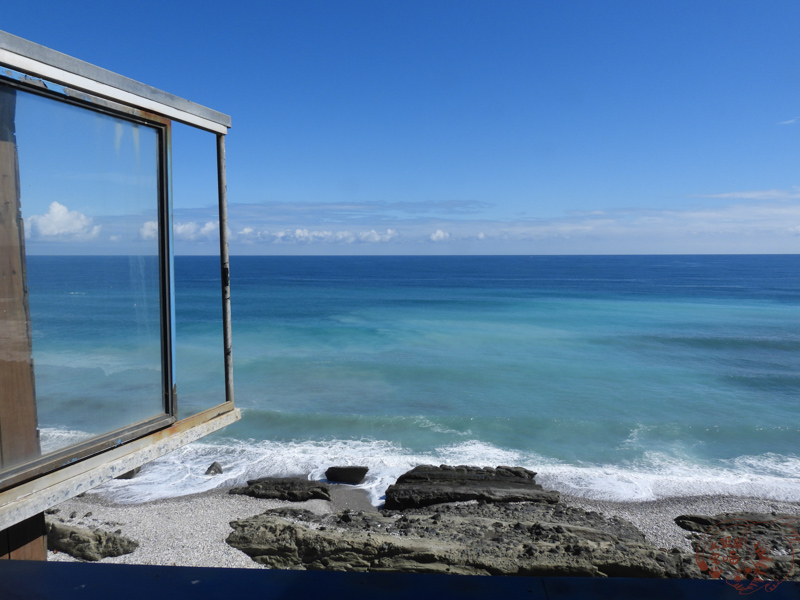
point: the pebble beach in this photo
(191, 530)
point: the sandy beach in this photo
(191, 530)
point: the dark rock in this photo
(130, 474)
(293, 489)
(352, 475)
(741, 538)
(702, 523)
(426, 485)
(530, 538)
(214, 469)
(85, 544)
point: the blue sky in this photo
(463, 127)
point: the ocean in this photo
(612, 377)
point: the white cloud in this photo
(309, 236)
(732, 225)
(208, 229)
(249, 235)
(60, 222)
(373, 236)
(190, 232)
(304, 235)
(149, 230)
(354, 212)
(345, 237)
(789, 122)
(749, 220)
(792, 194)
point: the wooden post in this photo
(19, 437)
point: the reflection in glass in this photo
(89, 191)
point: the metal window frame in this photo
(28, 57)
(28, 488)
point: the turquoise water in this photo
(613, 377)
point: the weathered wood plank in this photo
(19, 439)
(27, 540)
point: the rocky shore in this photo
(460, 520)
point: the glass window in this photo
(90, 187)
(199, 332)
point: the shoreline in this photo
(191, 530)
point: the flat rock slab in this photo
(86, 544)
(293, 489)
(426, 485)
(469, 539)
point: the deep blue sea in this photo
(616, 377)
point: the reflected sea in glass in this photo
(96, 344)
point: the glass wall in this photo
(199, 373)
(90, 190)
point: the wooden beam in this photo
(31, 498)
(19, 436)
(26, 540)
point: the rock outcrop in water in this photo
(426, 485)
(214, 469)
(351, 475)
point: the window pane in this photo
(89, 190)
(199, 369)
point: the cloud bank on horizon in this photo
(744, 222)
(751, 221)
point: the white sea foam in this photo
(661, 475)
(109, 362)
(634, 439)
(182, 472)
(656, 476)
(52, 438)
(438, 427)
